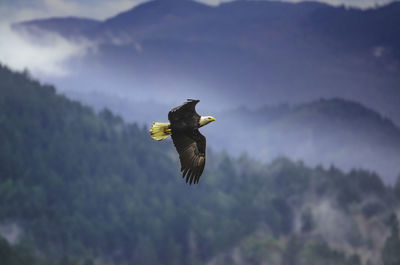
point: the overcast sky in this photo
(19, 10)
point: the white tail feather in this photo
(159, 131)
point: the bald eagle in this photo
(189, 142)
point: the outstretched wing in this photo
(192, 154)
(184, 117)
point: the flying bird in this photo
(189, 142)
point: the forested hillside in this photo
(327, 131)
(79, 187)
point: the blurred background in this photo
(303, 162)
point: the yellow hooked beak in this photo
(213, 119)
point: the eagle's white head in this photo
(204, 120)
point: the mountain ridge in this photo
(334, 131)
(282, 52)
(327, 131)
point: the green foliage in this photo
(91, 185)
(320, 253)
(296, 251)
(290, 256)
(353, 187)
(390, 253)
(256, 250)
(89, 188)
(307, 222)
(397, 187)
(21, 255)
(372, 209)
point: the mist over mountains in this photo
(245, 52)
(326, 132)
(255, 54)
(322, 132)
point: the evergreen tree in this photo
(391, 250)
(397, 187)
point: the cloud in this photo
(46, 57)
(26, 10)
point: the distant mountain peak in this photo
(157, 12)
